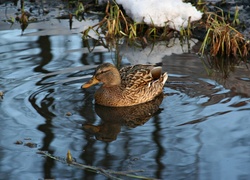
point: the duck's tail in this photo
(164, 77)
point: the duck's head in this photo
(107, 74)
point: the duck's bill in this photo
(91, 82)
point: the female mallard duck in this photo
(130, 86)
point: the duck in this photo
(129, 86)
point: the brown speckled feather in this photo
(136, 76)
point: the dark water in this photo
(200, 130)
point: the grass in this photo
(222, 39)
(223, 46)
(116, 24)
(111, 25)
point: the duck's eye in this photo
(102, 72)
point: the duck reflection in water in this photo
(115, 117)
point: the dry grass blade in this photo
(116, 25)
(223, 40)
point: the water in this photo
(199, 131)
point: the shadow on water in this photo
(45, 54)
(47, 128)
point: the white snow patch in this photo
(173, 12)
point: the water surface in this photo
(200, 130)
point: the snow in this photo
(173, 12)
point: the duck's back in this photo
(142, 83)
(136, 76)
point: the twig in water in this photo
(108, 173)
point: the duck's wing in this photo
(134, 77)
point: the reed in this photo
(116, 24)
(222, 39)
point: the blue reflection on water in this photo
(201, 130)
